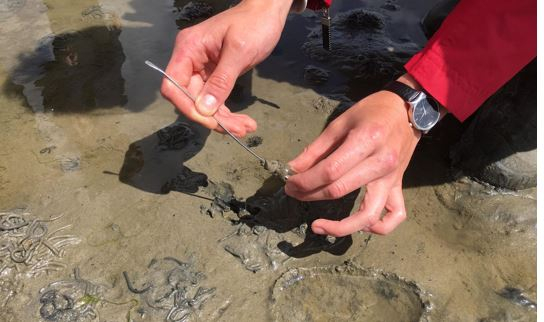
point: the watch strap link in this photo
(406, 92)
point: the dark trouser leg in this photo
(499, 144)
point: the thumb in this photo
(219, 84)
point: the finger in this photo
(342, 163)
(396, 214)
(367, 171)
(220, 83)
(237, 124)
(325, 143)
(183, 103)
(368, 214)
(181, 69)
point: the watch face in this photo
(425, 112)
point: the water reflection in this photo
(76, 66)
(85, 73)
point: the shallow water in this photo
(201, 231)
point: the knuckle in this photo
(336, 190)
(376, 133)
(166, 89)
(331, 171)
(185, 36)
(220, 81)
(373, 218)
(240, 45)
(389, 160)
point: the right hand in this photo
(208, 58)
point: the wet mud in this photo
(164, 220)
(170, 290)
(269, 229)
(362, 50)
(350, 293)
(30, 246)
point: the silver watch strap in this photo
(298, 6)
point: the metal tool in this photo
(277, 168)
(326, 28)
(189, 95)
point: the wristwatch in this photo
(298, 6)
(424, 110)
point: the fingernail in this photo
(206, 105)
(318, 230)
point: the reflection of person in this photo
(477, 49)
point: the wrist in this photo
(410, 81)
(413, 83)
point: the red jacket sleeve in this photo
(479, 47)
(318, 4)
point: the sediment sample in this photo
(347, 293)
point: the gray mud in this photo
(113, 207)
(350, 293)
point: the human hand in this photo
(368, 145)
(208, 58)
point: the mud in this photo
(174, 222)
(170, 290)
(350, 293)
(254, 141)
(194, 11)
(271, 228)
(315, 75)
(30, 246)
(362, 48)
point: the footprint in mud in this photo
(490, 221)
(347, 293)
(271, 228)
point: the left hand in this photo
(368, 145)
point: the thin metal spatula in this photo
(277, 168)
